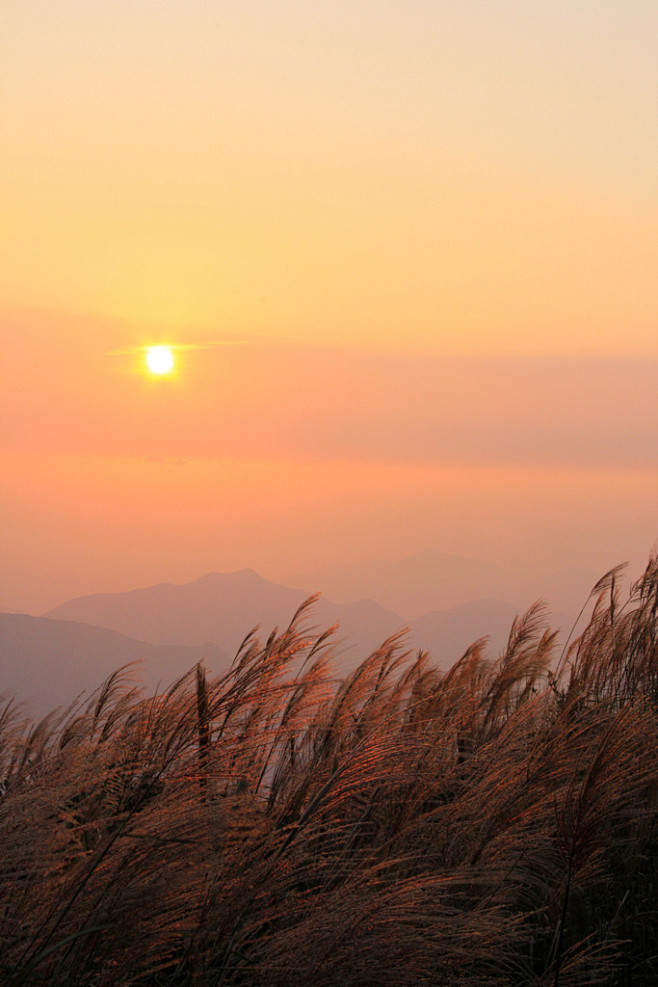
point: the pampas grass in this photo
(495, 824)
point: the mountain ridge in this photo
(46, 663)
(168, 627)
(223, 608)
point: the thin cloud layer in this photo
(307, 403)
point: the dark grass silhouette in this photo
(497, 824)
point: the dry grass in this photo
(497, 824)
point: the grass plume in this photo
(494, 824)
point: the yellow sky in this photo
(454, 175)
(375, 212)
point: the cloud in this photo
(249, 400)
(177, 347)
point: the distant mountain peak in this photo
(223, 608)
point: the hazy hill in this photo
(47, 663)
(167, 628)
(446, 634)
(421, 583)
(223, 608)
(432, 581)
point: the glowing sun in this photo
(159, 360)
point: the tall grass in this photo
(495, 824)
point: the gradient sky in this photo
(409, 251)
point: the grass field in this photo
(495, 824)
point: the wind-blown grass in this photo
(495, 824)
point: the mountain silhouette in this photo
(223, 608)
(169, 627)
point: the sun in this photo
(160, 360)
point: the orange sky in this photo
(412, 251)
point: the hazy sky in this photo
(410, 253)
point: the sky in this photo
(406, 256)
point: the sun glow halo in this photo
(159, 360)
